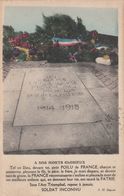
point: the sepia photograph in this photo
(60, 80)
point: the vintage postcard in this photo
(62, 98)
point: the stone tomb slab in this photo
(63, 136)
(55, 96)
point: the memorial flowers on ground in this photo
(60, 39)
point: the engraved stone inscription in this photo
(55, 96)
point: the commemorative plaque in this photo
(55, 96)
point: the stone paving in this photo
(110, 80)
(96, 132)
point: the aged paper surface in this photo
(51, 148)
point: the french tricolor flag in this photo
(65, 42)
